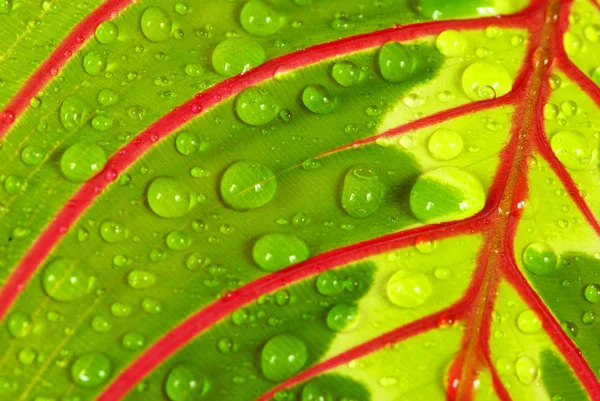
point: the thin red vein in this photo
(133, 150)
(57, 59)
(576, 75)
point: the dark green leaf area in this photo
(558, 378)
(326, 387)
(277, 324)
(572, 294)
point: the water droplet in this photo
(484, 80)
(91, 370)
(248, 185)
(168, 198)
(362, 192)
(592, 293)
(140, 279)
(592, 33)
(133, 341)
(446, 193)
(276, 251)
(256, 107)
(107, 32)
(27, 356)
(107, 97)
(94, 63)
(539, 258)
(445, 144)
(282, 357)
(156, 24)
(187, 143)
(413, 100)
(178, 241)
(551, 111)
(408, 289)
(80, 162)
(73, 113)
(33, 155)
(572, 43)
(313, 392)
(319, 99)
(451, 43)
(185, 382)
(193, 70)
(6, 6)
(13, 184)
(101, 324)
(442, 273)
(260, 18)
(152, 306)
(66, 280)
(342, 317)
(112, 231)
(528, 322)
(571, 148)
(119, 309)
(235, 56)
(526, 370)
(345, 73)
(517, 40)
(102, 123)
(329, 283)
(395, 62)
(19, 325)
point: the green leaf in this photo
(299, 200)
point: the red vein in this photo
(133, 150)
(57, 59)
(576, 75)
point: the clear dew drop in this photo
(6, 6)
(133, 341)
(91, 370)
(395, 62)
(571, 148)
(113, 231)
(193, 70)
(362, 192)
(409, 289)
(178, 241)
(66, 280)
(187, 143)
(483, 80)
(259, 18)
(234, 56)
(446, 193)
(529, 322)
(526, 370)
(107, 32)
(94, 63)
(314, 392)
(540, 258)
(451, 43)
(19, 324)
(140, 279)
(319, 99)
(107, 97)
(248, 185)
(592, 293)
(572, 43)
(156, 24)
(73, 113)
(329, 283)
(345, 73)
(80, 162)
(185, 382)
(445, 144)
(282, 357)
(342, 317)
(168, 197)
(32, 155)
(256, 107)
(273, 252)
(14, 184)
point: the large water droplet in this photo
(539, 258)
(526, 370)
(592, 293)
(282, 357)
(483, 80)
(451, 43)
(409, 290)
(395, 62)
(342, 317)
(91, 370)
(80, 162)
(94, 63)
(19, 324)
(168, 197)
(66, 280)
(156, 24)
(345, 73)
(445, 144)
(256, 107)
(235, 55)
(446, 193)
(319, 99)
(185, 382)
(73, 112)
(107, 32)
(260, 18)
(273, 252)
(362, 192)
(529, 322)
(248, 185)
(571, 148)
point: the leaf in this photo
(299, 200)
